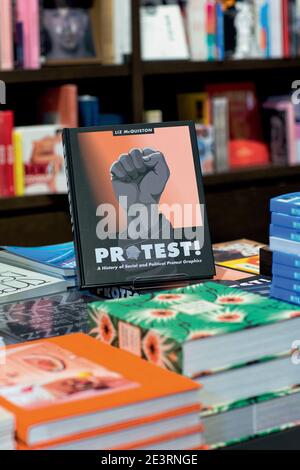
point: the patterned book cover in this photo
(156, 326)
(265, 433)
(46, 317)
(214, 410)
(242, 255)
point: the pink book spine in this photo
(28, 14)
(34, 34)
(6, 35)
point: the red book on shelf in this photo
(246, 146)
(6, 154)
(285, 28)
(60, 106)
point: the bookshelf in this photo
(242, 195)
(238, 202)
(62, 73)
(179, 67)
(138, 85)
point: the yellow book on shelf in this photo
(18, 164)
(194, 107)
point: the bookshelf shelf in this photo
(182, 67)
(233, 178)
(248, 175)
(43, 203)
(61, 73)
(64, 72)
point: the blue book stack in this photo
(285, 244)
(54, 260)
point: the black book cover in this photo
(137, 204)
(56, 315)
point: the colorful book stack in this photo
(235, 343)
(73, 393)
(285, 244)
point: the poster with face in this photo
(66, 29)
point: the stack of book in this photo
(53, 260)
(73, 393)
(17, 284)
(285, 244)
(235, 343)
(7, 430)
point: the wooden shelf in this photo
(233, 178)
(42, 203)
(60, 73)
(258, 174)
(182, 67)
(65, 72)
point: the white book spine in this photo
(221, 128)
(276, 33)
(196, 27)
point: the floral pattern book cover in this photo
(155, 326)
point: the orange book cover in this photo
(156, 419)
(46, 383)
(167, 437)
(60, 106)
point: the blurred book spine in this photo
(6, 35)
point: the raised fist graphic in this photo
(141, 176)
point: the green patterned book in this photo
(197, 329)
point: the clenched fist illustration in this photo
(141, 176)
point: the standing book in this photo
(163, 33)
(39, 162)
(196, 26)
(281, 131)
(60, 106)
(27, 14)
(137, 204)
(6, 154)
